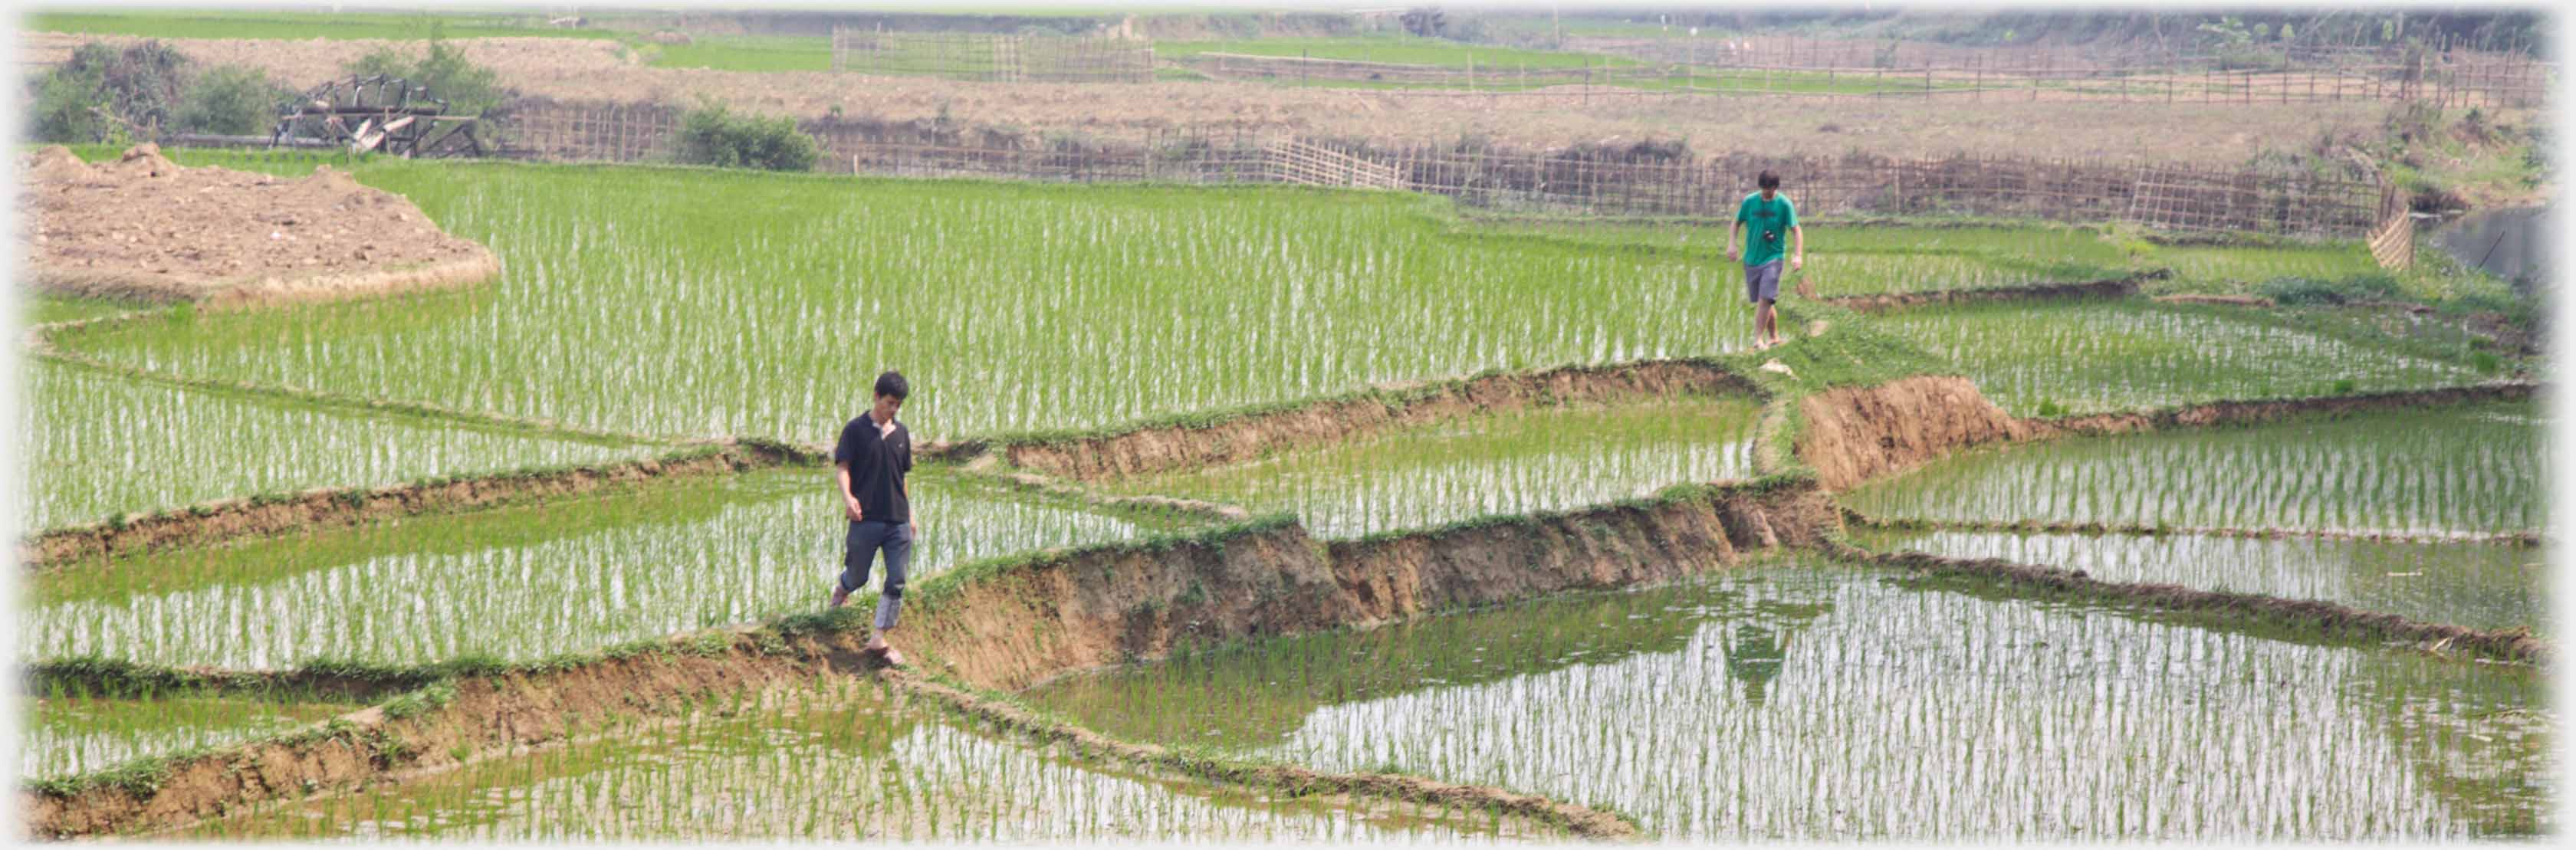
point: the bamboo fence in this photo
(1612, 184)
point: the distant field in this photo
(1400, 50)
(213, 23)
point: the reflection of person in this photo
(1773, 224)
(1754, 657)
(874, 453)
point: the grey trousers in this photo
(860, 548)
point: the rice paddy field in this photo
(2455, 471)
(72, 732)
(2112, 355)
(1811, 700)
(1791, 697)
(101, 445)
(518, 583)
(838, 761)
(2478, 585)
(1511, 463)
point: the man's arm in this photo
(1798, 237)
(849, 503)
(1731, 229)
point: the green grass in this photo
(1767, 702)
(2123, 354)
(1505, 463)
(744, 53)
(2476, 585)
(520, 582)
(635, 304)
(2465, 469)
(101, 445)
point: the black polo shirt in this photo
(877, 465)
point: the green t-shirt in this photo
(1766, 226)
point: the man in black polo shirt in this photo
(874, 453)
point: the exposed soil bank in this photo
(336, 507)
(1063, 613)
(1856, 434)
(1158, 448)
(2120, 288)
(2245, 412)
(2513, 645)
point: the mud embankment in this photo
(2250, 412)
(335, 507)
(1857, 434)
(2515, 645)
(1066, 613)
(1156, 448)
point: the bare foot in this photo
(840, 596)
(893, 657)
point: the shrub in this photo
(711, 135)
(232, 100)
(137, 90)
(469, 89)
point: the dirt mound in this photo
(143, 227)
(1854, 435)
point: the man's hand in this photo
(1730, 252)
(851, 507)
(915, 525)
(1795, 263)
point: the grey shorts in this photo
(1762, 282)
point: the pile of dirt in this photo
(1857, 434)
(145, 228)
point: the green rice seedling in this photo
(2110, 355)
(779, 771)
(2476, 585)
(521, 582)
(2470, 469)
(637, 308)
(69, 733)
(1804, 700)
(1505, 463)
(105, 445)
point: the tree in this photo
(1425, 21)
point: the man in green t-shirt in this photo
(1773, 223)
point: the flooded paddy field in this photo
(2475, 585)
(520, 582)
(1806, 699)
(68, 732)
(2472, 469)
(839, 761)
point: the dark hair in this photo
(1768, 180)
(892, 383)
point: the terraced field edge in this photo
(1853, 435)
(334, 507)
